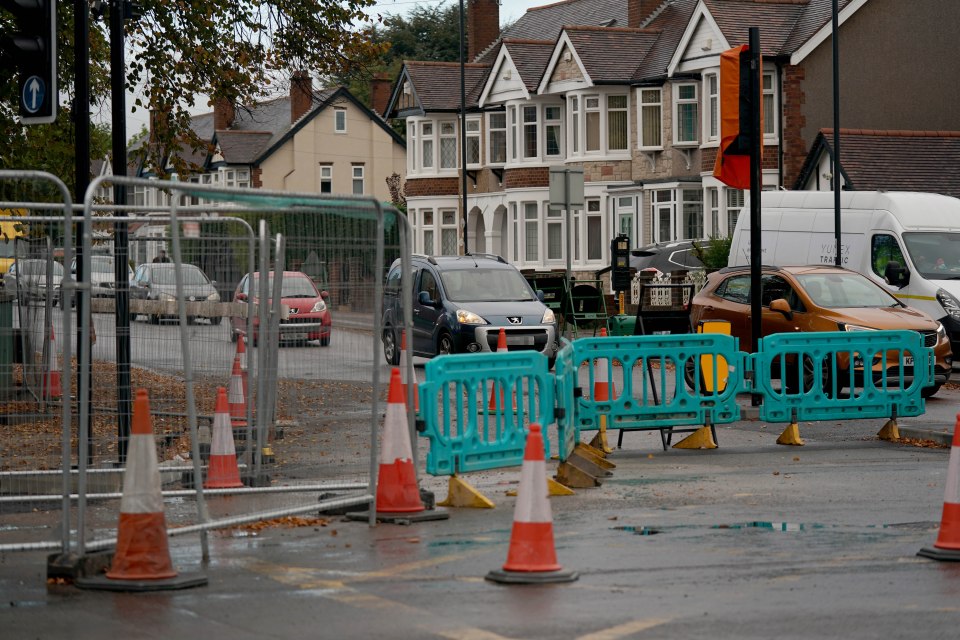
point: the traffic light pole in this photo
(756, 140)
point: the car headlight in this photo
(213, 297)
(941, 332)
(319, 306)
(949, 303)
(853, 327)
(469, 317)
(548, 317)
(166, 297)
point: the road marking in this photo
(625, 629)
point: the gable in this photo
(565, 72)
(702, 43)
(505, 82)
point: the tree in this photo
(180, 50)
(426, 33)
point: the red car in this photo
(307, 316)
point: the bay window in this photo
(591, 106)
(599, 124)
(473, 141)
(530, 149)
(555, 235)
(448, 145)
(531, 232)
(770, 112)
(448, 232)
(617, 123)
(497, 131)
(685, 114)
(711, 83)
(551, 130)
(595, 239)
(426, 144)
(651, 119)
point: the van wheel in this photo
(391, 352)
(444, 344)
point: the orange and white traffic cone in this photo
(222, 469)
(501, 348)
(404, 364)
(237, 396)
(141, 561)
(52, 389)
(397, 490)
(947, 546)
(601, 393)
(532, 557)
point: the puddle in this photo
(639, 531)
(786, 527)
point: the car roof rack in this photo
(491, 256)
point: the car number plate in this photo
(908, 361)
(520, 340)
(297, 336)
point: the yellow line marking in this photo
(468, 633)
(625, 629)
(909, 297)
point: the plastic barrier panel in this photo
(821, 376)
(476, 408)
(650, 382)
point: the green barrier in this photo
(476, 408)
(656, 383)
(817, 381)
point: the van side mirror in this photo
(424, 299)
(540, 296)
(325, 295)
(783, 307)
(895, 275)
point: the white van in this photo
(909, 243)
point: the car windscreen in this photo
(485, 285)
(292, 287)
(39, 267)
(192, 276)
(935, 255)
(844, 291)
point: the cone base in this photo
(531, 577)
(394, 517)
(103, 583)
(940, 554)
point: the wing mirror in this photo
(424, 299)
(540, 296)
(783, 307)
(895, 275)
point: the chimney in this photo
(380, 93)
(223, 114)
(483, 26)
(640, 10)
(301, 95)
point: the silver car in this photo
(28, 279)
(157, 281)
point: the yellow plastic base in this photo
(589, 453)
(599, 441)
(890, 431)
(702, 438)
(571, 474)
(791, 436)
(461, 494)
(554, 488)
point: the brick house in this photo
(627, 90)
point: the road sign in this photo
(33, 47)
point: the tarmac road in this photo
(750, 540)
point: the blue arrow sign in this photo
(34, 90)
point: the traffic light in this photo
(736, 107)
(620, 258)
(33, 47)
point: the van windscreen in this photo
(936, 256)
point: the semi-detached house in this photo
(627, 90)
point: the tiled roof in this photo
(531, 58)
(670, 20)
(785, 25)
(438, 83)
(545, 23)
(608, 53)
(893, 160)
(242, 147)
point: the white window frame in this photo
(656, 108)
(531, 241)
(553, 123)
(449, 240)
(448, 139)
(679, 102)
(413, 145)
(491, 129)
(529, 127)
(512, 133)
(554, 219)
(473, 141)
(625, 110)
(594, 215)
(358, 180)
(771, 115)
(326, 177)
(579, 107)
(691, 200)
(427, 135)
(339, 120)
(733, 200)
(658, 203)
(711, 108)
(428, 231)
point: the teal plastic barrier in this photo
(476, 408)
(816, 381)
(674, 384)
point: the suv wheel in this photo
(391, 353)
(444, 344)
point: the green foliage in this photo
(713, 255)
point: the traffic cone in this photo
(237, 395)
(947, 546)
(51, 381)
(501, 348)
(601, 393)
(141, 561)
(532, 557)
(397, 490)
(222, 470)
(404, 363)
